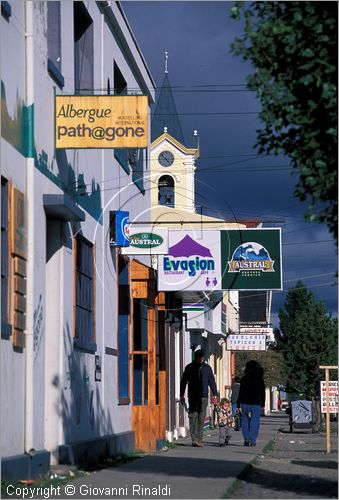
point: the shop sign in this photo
(251, 259)
(239, 342)
(333, 396)
(86, 122)
(118, 223)
(195, 315)
(263, 331)
(192, 261)
(147, 241)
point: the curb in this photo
(243, 475)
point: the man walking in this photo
(199, 376)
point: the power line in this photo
(268, 169)
(318, 285)
(307, 242)
(205, 113)
(309, 277)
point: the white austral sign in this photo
(246, 342)
(333, 396)
(146, 241)
(193, 261)
(268, 331)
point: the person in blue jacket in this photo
(199, 377)
(251, 400)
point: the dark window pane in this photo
(140, 336)
(123, 318)
(123, 367)
(83, 50)
(53, 33)
(166, 191)
(120, 84)
(140, 375)
(84, 280)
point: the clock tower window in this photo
(166, 191)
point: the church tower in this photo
(172, 158)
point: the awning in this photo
(62, 207)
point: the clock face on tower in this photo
(166, 158)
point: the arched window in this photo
(166, 191)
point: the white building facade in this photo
(66, 394)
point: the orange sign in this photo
(86, 122)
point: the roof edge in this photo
(175, 142)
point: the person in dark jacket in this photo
(199, 377)
(250, 401)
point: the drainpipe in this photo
(29, 350)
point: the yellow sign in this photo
(101, 122)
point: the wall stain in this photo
(38, 328)
(19, 132)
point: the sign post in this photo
(327, 391)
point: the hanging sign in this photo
(192, 262)
(147, 241)
(235, 342)
(101, 121)
(118, 224)
(251, 259)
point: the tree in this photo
(271, 361)
(309, 339)
(293, 48)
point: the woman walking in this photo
(250, 401)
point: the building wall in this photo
(68, 404)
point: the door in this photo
(148, 361)
(53, 336)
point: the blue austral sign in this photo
(119, 222)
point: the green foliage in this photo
(271, 361)
(293, 47)
(309, 339)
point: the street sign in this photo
(247, 342)
(333, 396)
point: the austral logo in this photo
(250, 256)
(145, 240)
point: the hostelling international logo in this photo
(250, 256)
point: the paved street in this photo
(296, 467)
(188, 472)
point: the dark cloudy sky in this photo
(231, 180)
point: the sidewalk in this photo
(182, 472)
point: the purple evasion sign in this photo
(193, 261)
